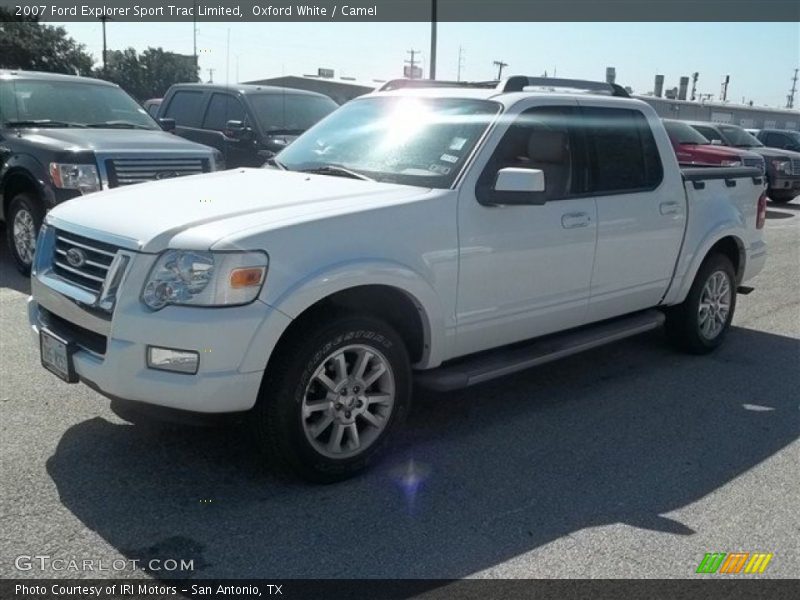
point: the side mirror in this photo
(514, 186)
(717, 143)
(237, 130)
(167, 124)
(513, 179)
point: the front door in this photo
(525, 270)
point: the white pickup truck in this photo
(442, 233)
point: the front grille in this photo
(127, 171)
(758, 163)
(90, 260)
(85, 338)
(796, 166)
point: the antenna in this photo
(500, 65)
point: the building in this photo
(755, 117)
(340, 90)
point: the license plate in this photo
(57, 356)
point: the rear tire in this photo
(334, 396)
(782, 197)
(701, 322)
(24, 219)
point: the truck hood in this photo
(774, 153)
(111, 141)
(199, 211)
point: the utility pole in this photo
(412, 63)
(103, 20)
(500, 65)
(432, 68)
(194, 35)
(695, 77)
(792, 92)
(228, 59)
(211, 76)
(460, 63)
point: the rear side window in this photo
(775, 140)
(221, 109)
(186, 108)
(622, 153)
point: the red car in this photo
(692, 148)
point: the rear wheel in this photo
(23, 221)
(700, 324)
(334, 397)
(782, 197)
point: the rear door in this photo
(641, 210)
(224, 107)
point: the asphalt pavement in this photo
(625, 462)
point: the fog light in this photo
(168, 359)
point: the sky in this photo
(759, 57)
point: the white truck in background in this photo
(443, 233)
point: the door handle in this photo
(669, 208)
(573, 220)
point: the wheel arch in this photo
(729, 244)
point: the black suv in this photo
(779, 138)
(247, 123)
(783, 166)
(62, 136)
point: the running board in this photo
(497, 363)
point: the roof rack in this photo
(397, 84)
(515, 83)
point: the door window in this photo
(186, 108)
(221, 109)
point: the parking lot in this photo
(628, 461)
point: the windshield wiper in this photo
(42, 123)
(337, 171)
(274, 162)
(116, 125)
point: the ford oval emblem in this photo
(76, 257)
(166, 174)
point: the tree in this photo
(27, 44)
(149, 74)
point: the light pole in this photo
(103, 20)
(432, 69)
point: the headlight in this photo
(731, 163)
(70, 176)
(784, 166)
(205, 278)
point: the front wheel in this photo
(700, 324)
(782, 197)
(334, 397)
(23, 221)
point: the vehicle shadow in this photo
(9, 276)
(774, 214)
(620, 435)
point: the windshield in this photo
(408, 140)
(682, 133)
(793, 135)
(735, 136)
(71, 104)
(287, 113)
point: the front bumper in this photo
(786, 183)
(233, 343)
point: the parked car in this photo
(62, 136)
(692, 149)
(432, 234)
(782, 166)
(151, 106)
(784, 139)
(247, 123)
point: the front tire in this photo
(23, 222)
(701, 322)
(337, 392)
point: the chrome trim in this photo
(47, 295)
(88, 262)
(61, 265)
(108, 293)
(85, 246)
